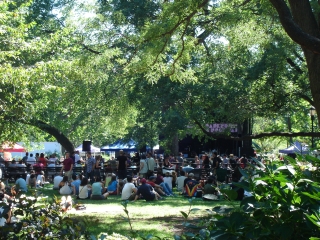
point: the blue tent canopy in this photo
(297, 147)
(120, 145)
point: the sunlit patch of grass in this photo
(158, 218)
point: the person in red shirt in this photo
(42, 160)
(156, 187)
(67, 166)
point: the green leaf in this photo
(176, 237)
(292, 171)
(311, 195)
(313, 220)
(305, 180)
(232, 194)
(244, 173)
(222, 209)
(290, 186)
(258, 182)
(184, 214)
(243, 184)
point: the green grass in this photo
(158, 218)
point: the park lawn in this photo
(160, 218)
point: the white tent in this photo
(93, 149)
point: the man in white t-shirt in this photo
(151, 162)
(76, 156)
(56, 182)
(129, 190)
(31, 159)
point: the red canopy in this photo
(7, 147)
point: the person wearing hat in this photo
(156, 187)
(146, 191)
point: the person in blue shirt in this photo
(21, 185)
(75, 184)
(113, 186)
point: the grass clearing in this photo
(160, 218)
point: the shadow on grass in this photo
(164, 227)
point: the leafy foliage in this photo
(284, 205)
(42, 221)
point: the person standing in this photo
(90, 166)
(205, 161)
(42, 160)
(122, 165)
(76, 156)
(25, 158)
(136, 159)
(180, 159)
(97, 166)
(150, 164)
(143, 166)
(225, 162)
(67, 166)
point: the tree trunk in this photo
(304, 17)
(302, 27)
(175, 145)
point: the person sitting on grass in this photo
(161, 183)
(108, 179)
(66, 203)
(129, 190)
(156, 187)
(64, 186)
(192, 186)
(113, 186)
(3, 189)
(21, 185)
(180, 181)
(5, 218)
(40, 179)
(146, 192)
(98, 190)
(174, 179)
(32, 180)
(75, 184)
(56, 181)
(84, 189)
(209, 191)
(168, 179)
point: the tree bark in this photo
(60, 137)
(301, 26)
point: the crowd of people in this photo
(146, 176)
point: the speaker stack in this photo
(86, 146)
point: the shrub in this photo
(40, 221)
(284, 205)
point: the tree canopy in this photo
(115, 69)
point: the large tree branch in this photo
(60, 137)
(294, 31)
